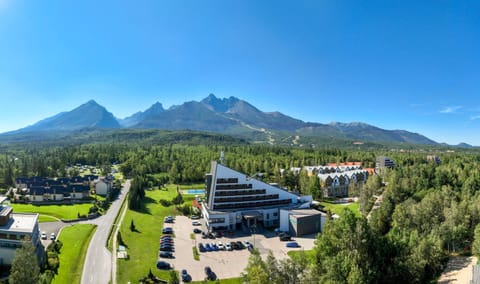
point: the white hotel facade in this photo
(233, 198)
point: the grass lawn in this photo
(67, 212)
(222, 281)
(337, 208)
(142, 246)
(46, 218)
(309, 254)
(75, 241)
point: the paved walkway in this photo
(459, 270)
(98, 262)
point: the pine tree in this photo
(25, 265)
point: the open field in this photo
(66, 212)
(75, 241)
(222, 281)
(337, 208)
(46, 218)
(309, 254)
(142, 245)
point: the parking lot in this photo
(225, 264)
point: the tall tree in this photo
(25, 265)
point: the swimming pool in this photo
(195, 191)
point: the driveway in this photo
(51, 227)
(98, 262)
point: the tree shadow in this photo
(144, 206)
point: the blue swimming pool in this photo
(195, 191)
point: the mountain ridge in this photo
(230, 115)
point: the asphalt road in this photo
(98, 262)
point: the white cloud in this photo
(474, 117)
(450, 109)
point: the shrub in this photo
(165, 203)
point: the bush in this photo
(165, 203)
(185, 209)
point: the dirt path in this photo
(459, 270)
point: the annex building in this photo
(235, 200)
(14, 229)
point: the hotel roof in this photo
(20, 222)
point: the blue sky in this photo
(410, 65)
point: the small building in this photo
(300, 222)
(103, 186)
(383, 163)
(14, 229)
(435, 159)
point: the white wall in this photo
(284, 220)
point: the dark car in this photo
(292, 245)
(167, 230)
(167, 249)
(163, 265)
(218, 234)
(197, 231)
(201, 248)
(235, 246)
(185, 276)
(204, 236)
(208, 247)
(166, 254)
(240, 245)
(211, 236)
(284, 237)
(210, 275)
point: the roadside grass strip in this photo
(142, 244)
(72, 255)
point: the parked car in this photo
(208, 247)
(201, 247)
(292, 245)
(214, 246)
(167, 248)
(247, 243)
(52, 236)
(211, 236)
(218, 234)
(220, 246)
(194, 217)
(240, 245)
(166, 254)
(210, 275)
(235, 246)
(43, 235)
(197, 231)
(196, 223)
(185, 276)
(284, 237)
(167, 230)
(228, 246)
(204, 236)
(163, 265)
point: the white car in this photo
(43, 235)
(220, 246)
(247, 244)
(52, 236)
(228, 246)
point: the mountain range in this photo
(231, 116)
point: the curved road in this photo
(98, 262)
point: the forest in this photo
(429, 211)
